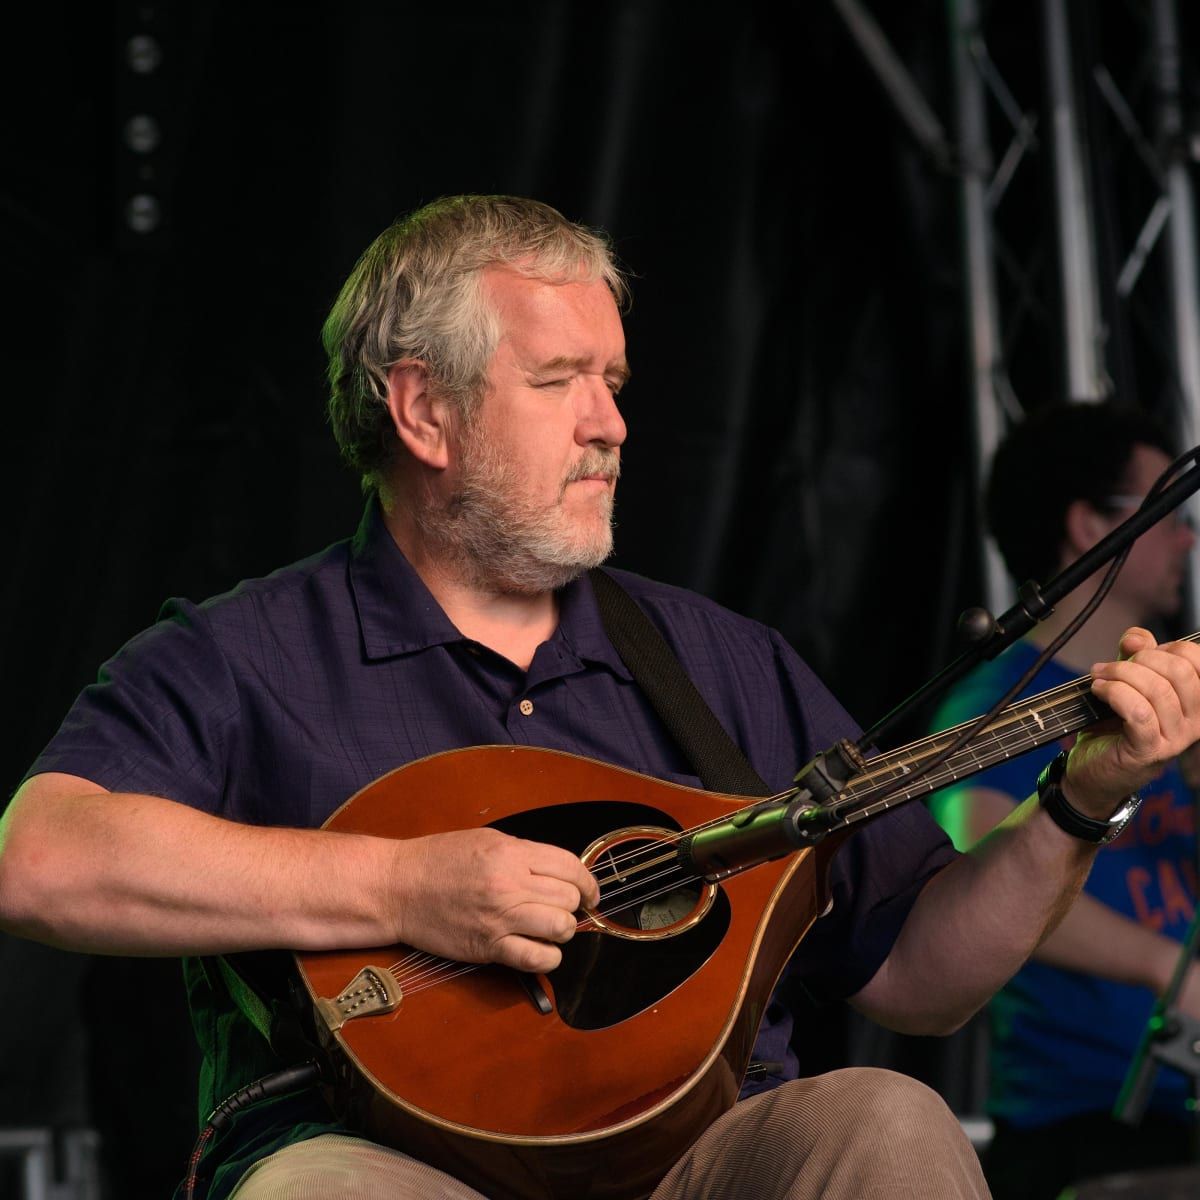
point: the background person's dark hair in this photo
(1060, 454)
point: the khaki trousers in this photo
(857, 1134)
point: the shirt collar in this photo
(396, 611)
(398, 615)
(580, 627)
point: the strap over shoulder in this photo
(656, 669)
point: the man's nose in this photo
(600, 420)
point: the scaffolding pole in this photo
(988, 377)
(1086, 376)
(1181, 238)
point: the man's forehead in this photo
(543, 318)
(523, 284)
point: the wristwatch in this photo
(1068, 818)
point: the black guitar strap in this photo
(713, 754)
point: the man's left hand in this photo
(1155, 693)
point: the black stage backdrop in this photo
(798, 418)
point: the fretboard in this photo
(1021, 727)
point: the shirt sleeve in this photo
(158, 720)
(875, 877)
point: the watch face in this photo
(1121, 818)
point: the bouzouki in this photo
(589, 1082)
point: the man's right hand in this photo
(482, 896)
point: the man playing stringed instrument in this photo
(476, 357)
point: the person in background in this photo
(1064, 1030)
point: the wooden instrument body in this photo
(470, 1076)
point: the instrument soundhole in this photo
(645, 893)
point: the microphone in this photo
(750, 836)
(774, 828)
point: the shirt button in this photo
(526, 707)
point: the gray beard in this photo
(496, 540)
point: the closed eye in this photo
(617, 377)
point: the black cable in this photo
(290, 1079)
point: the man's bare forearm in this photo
(133, 874)
(1092, 938)
(976, 922)
(1097, 940)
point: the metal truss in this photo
(1035, 287)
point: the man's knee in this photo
(853, 1102)
(872, 1132)
(868, 1105)
(336, 1167)
(883, 1099)
(886, 1099)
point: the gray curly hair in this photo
(417, 293)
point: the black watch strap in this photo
(1068, 818)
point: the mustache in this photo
(595, 461)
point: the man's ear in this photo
(1083, 527)
(420, 418)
